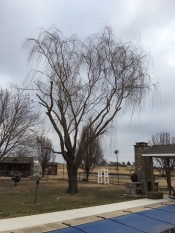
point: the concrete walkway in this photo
(25, 224)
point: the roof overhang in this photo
(166, 156)
(15, 162)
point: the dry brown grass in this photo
(52, 196)
(111, 169)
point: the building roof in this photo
(53, 163)
(161, 151)
(17, 160)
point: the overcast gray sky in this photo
(151, 21)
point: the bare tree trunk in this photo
(43, 170)
(87, 175)
(72, 179)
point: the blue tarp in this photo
(169, 208)
(66, 230)
(149, 221)
(144, 223)
(107, 226)
(161, 215)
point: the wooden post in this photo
(169, 176)
(152, 175)
(36, 190)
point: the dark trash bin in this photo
(16, 178)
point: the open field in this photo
(62, 170)
(124, 175)
(52, 196)
(111, 169)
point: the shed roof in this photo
(17, 160)
(52, 163)
(162, 151)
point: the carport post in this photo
(168, 176)
(152, 175)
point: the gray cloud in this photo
(152, 22)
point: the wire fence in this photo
(113, 178)
(116, 179)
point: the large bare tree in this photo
(91, 155)
(19, 121)
(163, 165)
(78, 80)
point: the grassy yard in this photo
(52, 196)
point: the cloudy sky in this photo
(151, 21)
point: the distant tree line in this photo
(120, 164)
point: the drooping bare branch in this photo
(93, 78)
